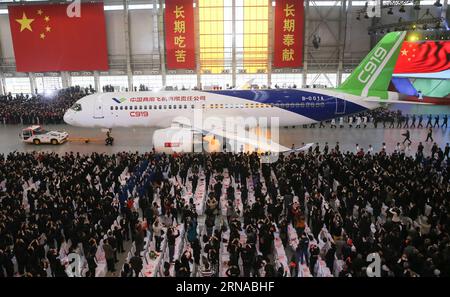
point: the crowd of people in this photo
(111, 88)
(324, 205)
(40, 108)
(386, 118)
(53, 205)
(395, 119)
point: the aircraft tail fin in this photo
(373, 74)
(247, 85)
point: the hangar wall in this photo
(344, 42)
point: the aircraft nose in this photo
(68, 117)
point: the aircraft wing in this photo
(239, 137)
(303, 148)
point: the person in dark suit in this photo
(172, 235)
(8, 263)
(20, 251)
(233, 271)
(118, 234)
(139, 237)
(126, 271)
(109, 255)
(406, 122)
(429, 119)
(90, 257)
(413, 121)
(434, 150)
(136, 264)
(113, 242)
(444, 122)
(419, 125)
(407, 137)
(196, 251)
(436, 121)
(337, 148)
(429, 135)
(194, 183)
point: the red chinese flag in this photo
(423, 57)
(45, 38)
(288, 44)
(180, 35)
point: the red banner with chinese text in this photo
(180, 35)
(288, 36)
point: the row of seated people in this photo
(55, 207)
(307, 215)
(329, 211)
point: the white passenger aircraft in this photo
(187, 112)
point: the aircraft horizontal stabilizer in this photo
(378, 100)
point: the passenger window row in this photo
(300, 105)
(148, 107)
(262, 105)
(221, 106)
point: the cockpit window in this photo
(76, 107)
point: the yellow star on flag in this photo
(25, 23)
(39, 12)
(47, 18)
(42, 35)
(404, 52)
(48, 29)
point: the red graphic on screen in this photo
(423, 57)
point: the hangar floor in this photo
(140, 139)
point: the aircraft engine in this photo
(173, 139)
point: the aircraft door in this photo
(98, 109)
(340, 106)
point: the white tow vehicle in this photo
(37, 135)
